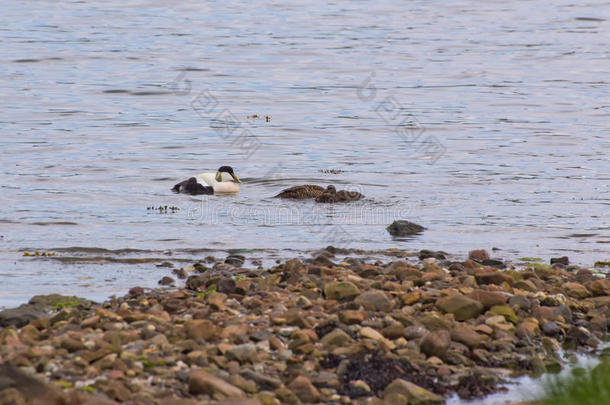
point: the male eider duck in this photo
(224, 181)
(302, 192)
(331, 195)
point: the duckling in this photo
(332, 196)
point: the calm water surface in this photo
(487, 123)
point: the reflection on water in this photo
(487, 125)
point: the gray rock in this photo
(21, 316)
(404, 228)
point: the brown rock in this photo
(461, 306)
(201, 382)
(351, 316)
(28, 388)
(435, 343)
(116, 390)
(478, 255)
(600, 287)
(463, 333)
(486, 276)
(415, 394)
(375, 300)
(304, 390)
(526, 285)
(488, 298)
(336, 338)
(338, 290)
(576, 290)
(200, 329)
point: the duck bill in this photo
(235, 178)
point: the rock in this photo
(435, 343)
(551, 328)
(576, 290)
(493, 277)
(201, 382)
(526, 285)
(560, 260)
(200, 329)
(520, 301)
(404, 228)
(506, 311)
(600, 287)
(370, 333)
(478, 255)
(488, 298)
(415, 332)
(20, 316)
(375, 300)
(226, 285)
(336, 338)
(262, 381)
(463, 333)
(166, 281)
(393, 331)
(304, 390)
(415, 394)
(322, 260)
(338, 290)
(351, 316)
(24, 387)
(426, 254)
(235, 260)
(498, 264)
(196, 282)
(243, 353)
(461, 306)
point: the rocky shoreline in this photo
(412, 329)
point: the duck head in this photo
(226, 169)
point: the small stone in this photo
(375, 300)
(166, 281)
(412, 332)
(338, 290)
(460, 306)
(415, 394)
(370, 333)
(235, 260)
(576, 290)
(201, 382)
(337, 337)
(488, 298)
(505, 311)
(200, 329)
(435, 343)
(492, 277)
(521, 302)
(247, 352)
(600, 287)
(551, 328)
(351, 316)
(463, 333)
(478, 255)
(526, 285)
(304, 390)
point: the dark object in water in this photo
(404, 228)
(560, 260)
(331, 195)
(191, 186)
(301, 192)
